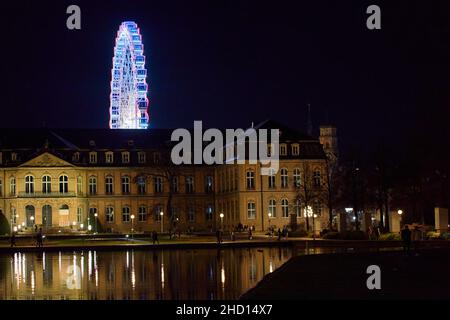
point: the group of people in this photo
(39, 238)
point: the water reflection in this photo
(175, 274)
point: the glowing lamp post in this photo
(95, 216)
(270, 217)
(162, 221)
(32, 221)
(132, 225)
(221, 220)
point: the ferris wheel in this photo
(128, 99)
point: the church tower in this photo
(329, 141)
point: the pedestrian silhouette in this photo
(13, 239)
(406, 238)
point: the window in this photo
(76, 157)
(316, 178)
(158, 185)
(283, 149)
(125, 157)
(79, 185)
(1, 188)
(13, 156)
(109, 157)
(109, 185)
(273, 208)
(125, 185)
(191, 214)
(142, 213)
(209, 184)
(285, 208)
(92, 157)
(297, 177)
(209, 212)
(251, 210)
(79, 215)
(271, 178)
(14, 215)
(284, 178)
(317, 207)
(175, 188)
(141, 157)
(250, 179)
(189, 184)
(109, 213)
(46, 184)
(92, 185)
(12, 186)
(156, 157)
(142, 185)
(29, 184)
(298, 208)
(63, 184)
(295, 149)
(126, 214)
(158, 210)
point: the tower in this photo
(328, 139)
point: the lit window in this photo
(284, 178)
(125, 185)
(63, 184)
(92, 157)
(125, 157)
(295, 149)
(273, 208)
(109, 157)
(109, 185)
(251, 210)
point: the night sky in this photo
(229, 63)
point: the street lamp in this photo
(32, 221)
(162, 221)
(96, 215)
(400, 212)
(132, 225)
(270, 216)
(221, 220)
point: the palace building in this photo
(121, 180)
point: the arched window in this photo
(271, 178)
(158, 185)
(12, 186)
(297, 177)
(79, 185)
(125, 185)
(109, 213)
(316, 178)
(273, 208)
(175, 184)
(46, 184)
(284, 178)
(189, 184)
(142, 184)
(109, 185)
(250, 179)
(251, 210)
(63, 184)
(157, 214)
(298, 208)
(92, 185)
(29, 184)
(79, 215)
(142, 213)
(285, 208)
(126, 214)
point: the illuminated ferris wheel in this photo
(128, 100)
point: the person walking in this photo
(40, 238)
(155, 237)
(13, 239)
(406, 238)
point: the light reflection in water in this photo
(182, 274)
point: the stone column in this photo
(441, 219)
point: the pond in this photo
(201, 274)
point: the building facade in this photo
(122, 181)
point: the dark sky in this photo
(229, 63)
